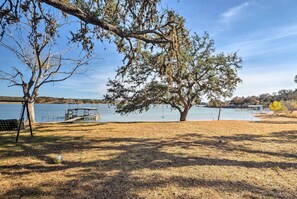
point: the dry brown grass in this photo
(226, 159)
(279, 117)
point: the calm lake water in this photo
(56, 112)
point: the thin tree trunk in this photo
(219, 116)
(183, 115)
(31, 112)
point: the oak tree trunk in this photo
(183, 115)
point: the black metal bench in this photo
(10, 125)
(15, 124)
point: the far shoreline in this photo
(280, 117)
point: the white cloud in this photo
(265, 42)
(266, 79)
(229, 15)
(269, 62)
(92, 85)
(281, 32)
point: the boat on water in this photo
(255, 107)
(87, 114)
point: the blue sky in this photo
(263, 32)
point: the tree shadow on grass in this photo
(48, 127)
(135, 154)
(277, 137)
(280, 138)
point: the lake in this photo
(56, 112)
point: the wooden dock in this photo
(74, 119)
(75, 114)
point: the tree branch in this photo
(91, 19)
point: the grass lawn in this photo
(226, 159)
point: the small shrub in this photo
(275, 106)
(291, 105)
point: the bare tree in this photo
(33, 40)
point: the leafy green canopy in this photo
(200, 72)
(132, 25)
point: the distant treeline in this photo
(54, 100)
(265, 99)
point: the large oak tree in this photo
(200, 72)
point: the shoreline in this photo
(281, 117)
(257, 117)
